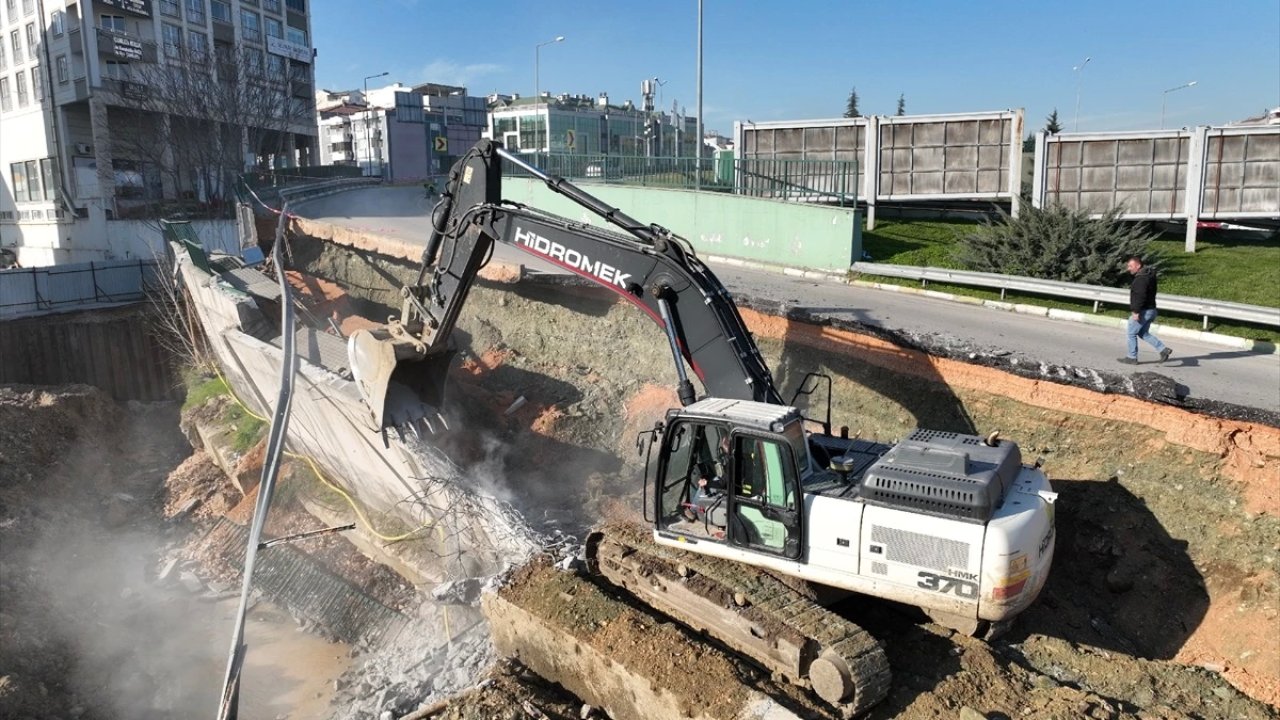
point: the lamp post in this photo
(368, 145)
(697, 152)
(1164, 99)
(1079, 71)
(537, 84)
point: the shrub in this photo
(1055, 243)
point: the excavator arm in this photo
(400, 370)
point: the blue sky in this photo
(768, 60)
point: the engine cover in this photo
(945, 474)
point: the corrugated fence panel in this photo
(26, 291)
(114, 349)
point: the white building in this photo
(400, 133)
(117, 110)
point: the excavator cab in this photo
(733, 477)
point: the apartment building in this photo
(585, 125)
(401, 133)
(120, 110)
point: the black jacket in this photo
(1142, 293)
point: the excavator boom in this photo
(647, 265)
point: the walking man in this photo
(1142, 311)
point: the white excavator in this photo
(956, 525)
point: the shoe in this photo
(1165, 353)
(1127, 361)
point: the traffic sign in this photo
(442, 144)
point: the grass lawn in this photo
(1238, 271)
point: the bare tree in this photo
(184, 129)
(173, 319)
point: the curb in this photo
(1258, 346)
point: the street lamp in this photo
(1164, 98)
(697, 172)
(368, 145)
(537, 85)
(1079, 71)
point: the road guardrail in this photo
(1098, 295)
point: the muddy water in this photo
(288, 673)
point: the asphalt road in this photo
(1205, 370)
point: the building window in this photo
(116, 70)
(112, 22)
(172, 36)
(63, 75)
(37, 83)
(195, 11)
(221, 11)
(15, 41)
(59, 23)
(20, 79)
(275, 28)
(297, 37)
(170, 8)
(4, 59)
(47, 174)
(253, 62)
(271, 5)
(18, 171)
(13, 9)
(296, 5)
(28, 7)
(6, 102)
(275, 66)
(199, 46)
(31, 40)
(32, 170)
(250, 26)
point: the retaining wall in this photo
(770, 231)
(115, 350)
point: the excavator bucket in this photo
(402, 386)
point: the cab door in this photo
(765, 497)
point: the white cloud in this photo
(447, 72)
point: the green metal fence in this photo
(824, 181)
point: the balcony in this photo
(126, 46)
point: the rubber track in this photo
(826, 631)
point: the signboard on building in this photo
(284, 48)
(137, 7)
(126, 48)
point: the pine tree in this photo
(851, 108)
(902, 105)
(1052, 126)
